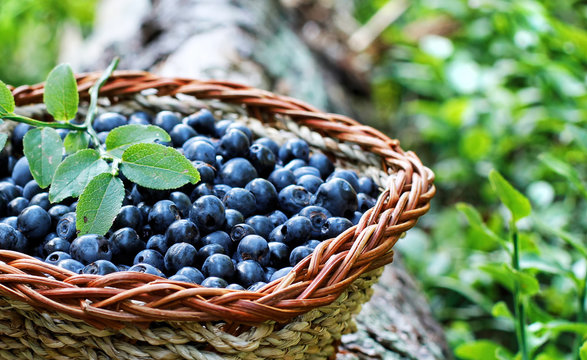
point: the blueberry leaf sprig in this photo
(80, 166)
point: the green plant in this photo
(92, 173)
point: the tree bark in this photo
(257, 43)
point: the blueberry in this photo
(207, 171)
(181, 278)
(8, 237)
(122, 267)
(108, 121)
(293, 198)
(221, 189)
(124, 244)
(256, 286)
(293, 232)
(235, 287)
(337, 196)
(318, 216)
(241, 200)
(218, 265)
(261, 224)
(146, 268)
(233, 144)
(294, 149)
(278, 254)
(56, 212)
(89, 248)
(214, 282)
(102, 136)
(182, 231)
(280, 273)
(306, 170)
(71, 265)
(199, 138)
(158, 243)
(277, 217)
(239, 231)
(16, 206)
(41, 200)
(22, 242)
(34, 222)
(335, 226)
(9, 191)
(265, 195)
(269, 271)
(202, 121)
(272, 145)
(312, 244)
(298, 253)
(21, 173)
(162, 214)
(233, 218)
(253, 247)
(295, 164)
(238, 172)
(356, 218)
(178, 256)
(202, 189)
(182, 202)
(262, 158)
(281, 178)
(310, 183)
(166, 120)
(55, 257)
(139, 118)
(18, 134)
(201, 151)
(144, 209)
(365, 202)
(11, 221)
(65, 228)
(208, 213)
(100, 267)
(73, 206)
(194, 275)
(221, 126)
(150, 257)
(249, 272)
(322, 163)
(180, 134)
(56, 244)
(31, 189)
(241, 127)
(367, 186)
(347, 175)
(128, 216)
(220, 238)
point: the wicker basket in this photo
(50, 313)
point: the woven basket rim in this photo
(117, 299)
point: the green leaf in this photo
(44, 149)
(3, 138)
(74, 174)
(61, 95)
(76, 140)
(121, 138)
(6, 100)
(157, 167)
(583, 351)
(518, 204)
(565, 170)
(476, 222)
(99, 204)
(501, 310)
(479, 350)
(507, 277)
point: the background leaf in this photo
(76, 140)
(583, 351)
(121, 138)
(565, 170)
(518, 204)
(3, 138)
(157, 167)
(6, 100)
(61, 96)
(74, 174)
(478, 350)
(44, 149)
(99, 204)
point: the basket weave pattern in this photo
(137, 315)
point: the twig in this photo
(366, 34)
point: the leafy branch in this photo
(91, 174)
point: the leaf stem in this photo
(38, 123)
(519, 311)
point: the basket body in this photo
(301, 316)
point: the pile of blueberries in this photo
(259, 208)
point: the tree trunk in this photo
(257, 43)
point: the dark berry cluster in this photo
(258, 210)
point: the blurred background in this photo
(469, 86)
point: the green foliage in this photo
(472, 86)
(92, 174)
